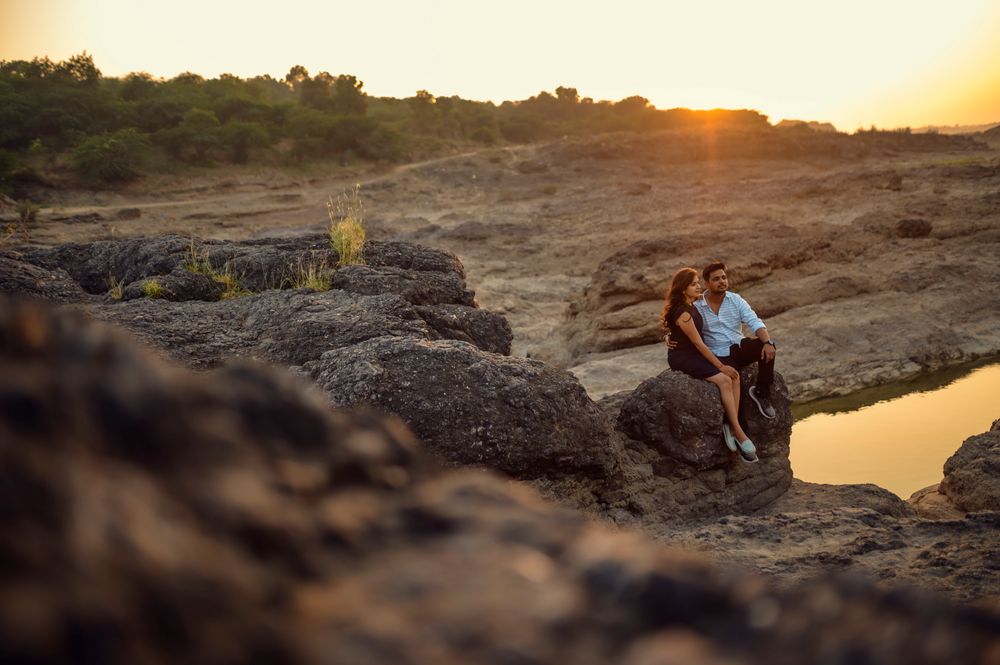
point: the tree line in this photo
(112, 129)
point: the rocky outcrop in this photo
(488, 331)
(154, 515)
(681, 417)
(17, 276)
(179, 285)
(803, 497)
(972, 474)
(516, 415)
(430, 283)
(676, 465)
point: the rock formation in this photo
(153, 515)
(972, 474)
(677, 463)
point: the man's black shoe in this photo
(763, 403)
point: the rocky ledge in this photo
(152, 514)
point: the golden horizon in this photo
(892, 65)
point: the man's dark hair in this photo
(712, 267)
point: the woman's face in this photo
(693, 291)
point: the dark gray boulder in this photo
(677, 467)
(128, 260)
(972, 474)
(490, 332)
(179, 285)
(26, 279)
(417, 287)
(515, 415)
(284, 327)
(681, 417)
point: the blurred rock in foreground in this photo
(153, 515)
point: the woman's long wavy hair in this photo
(675, 294)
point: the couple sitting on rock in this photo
(705, 337)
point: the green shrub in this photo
(114, 157)
(152, 289)
(241, 137)
(347, 230)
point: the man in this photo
(725, 313)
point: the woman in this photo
(691, 356)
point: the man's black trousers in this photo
(747, 352)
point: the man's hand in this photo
(669, 343)
(730, 372)
(767, 353)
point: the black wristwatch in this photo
(771, 342)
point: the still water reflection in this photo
(897, 436)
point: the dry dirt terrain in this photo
(869, 263)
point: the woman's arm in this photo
(686, 324)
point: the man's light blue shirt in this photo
(724, 329)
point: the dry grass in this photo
(347, 230)
(199, 262)
(116, 287)
(313, 275)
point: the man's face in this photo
(717, 281)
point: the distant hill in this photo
(956, 129)
(809, 124)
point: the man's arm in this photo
(758, 328)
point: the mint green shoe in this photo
(748, 452)
(727, 433)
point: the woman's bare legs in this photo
(727, 387)
(736, 403)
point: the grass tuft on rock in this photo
(199, 263)
(116, 287)
(347, 230)
(313, 275)
(152, 289)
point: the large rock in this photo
(151, 515)
(284, 327)
(516, 415)
(677, 466)
(972, 474)
(490, 332)
(681, 417)
(18, 276)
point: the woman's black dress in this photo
(686, 357)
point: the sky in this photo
(854, 63)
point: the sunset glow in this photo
(851, 63)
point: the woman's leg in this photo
(736, 398)
(725, 386)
